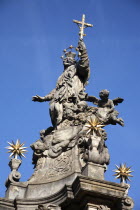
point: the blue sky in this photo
(32, 38)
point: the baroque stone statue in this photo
(71, 155)
(106, 112)
(75, 125)
(70, 85)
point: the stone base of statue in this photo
(50, 176)
(65, 183)
(69, 175)
(83, 193)
(93, 170)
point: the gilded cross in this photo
(82, 25)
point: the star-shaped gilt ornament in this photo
(94, 125)
(123, 173)
(16, 149)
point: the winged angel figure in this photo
(106, 108)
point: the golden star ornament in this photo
(123, 173)
(94, 125)
(16, 149)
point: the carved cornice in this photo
(100, 187)
(84, 190)
(4, 202)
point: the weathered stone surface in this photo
(93, 170)
(127, 203)
(74, 123)
(64, 165)
(106, 112)
(6, 204)
(83, 193)
(14, 176)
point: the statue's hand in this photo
(38, 98)
(81, 45)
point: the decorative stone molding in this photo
(127, 203)
(14, 176)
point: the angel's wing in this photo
(118, 100)
(92, 99)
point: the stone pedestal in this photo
(93, 170)
(50, 179)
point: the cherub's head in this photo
(104, 94)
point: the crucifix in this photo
(82, 27)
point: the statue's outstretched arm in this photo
(48, 97)
(83, 64)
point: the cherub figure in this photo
(106, 108)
